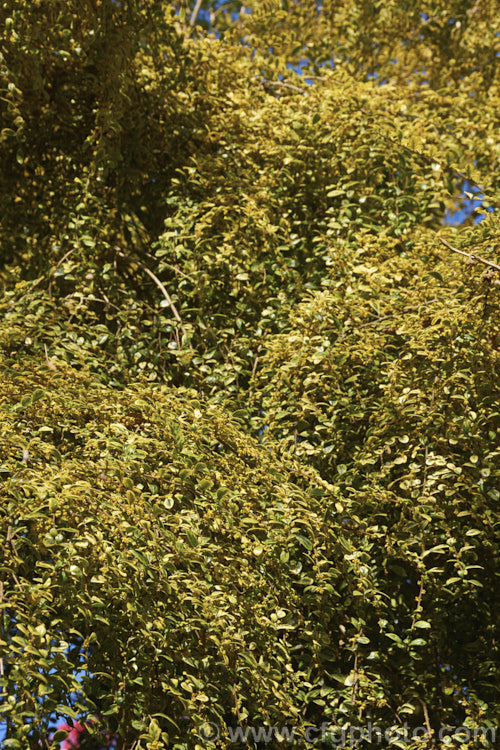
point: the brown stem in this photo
(396, 315)
(426, 717)
(236, 707)
(165, 294)
(471, 256)
(254, 368)
(162, 289)
(355, 681)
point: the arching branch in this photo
(471, 256)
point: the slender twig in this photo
(432, 160)
(49, 362)
(33, 286)
(419, 603)
(426, 716)
(396, 315)
(162, 289)
(194, 14)
(61, 261)
(285, 85)
(236, 706)
(254, 368)
(471, 256)
(165, 294)
(176, 269)
(81, 298)
(355, 680)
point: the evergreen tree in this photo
(249, 408)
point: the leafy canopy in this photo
(249, 414)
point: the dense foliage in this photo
(249, 416)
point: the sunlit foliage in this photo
(249, 410)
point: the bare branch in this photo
(162, 289)
(194, 14)
(471, 256)
(427, 720)
(164, 292)
(285, 85)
